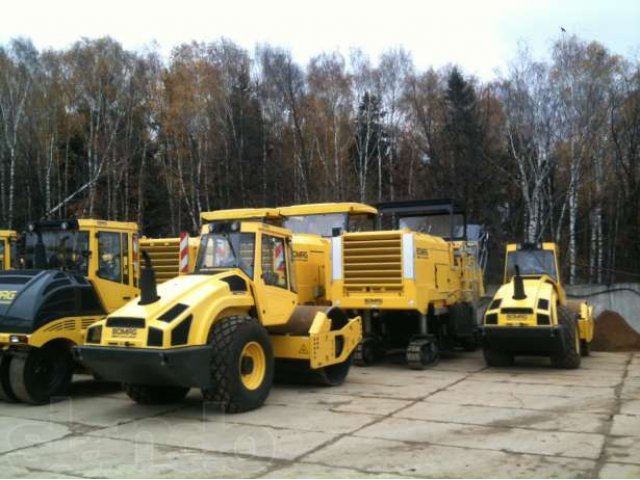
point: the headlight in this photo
(16, 339)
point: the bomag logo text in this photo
(124, 332)
(372, 301)
(7, 295)
(301, 255)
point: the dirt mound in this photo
(614, 334)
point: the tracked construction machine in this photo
(72, 273)
(227, 328)
(413, 281)
(407, 271)
(530, 313)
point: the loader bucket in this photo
(315, 345)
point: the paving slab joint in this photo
(617, 408)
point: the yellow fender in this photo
(312, 335)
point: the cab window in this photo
(274, 263)
(531, 262)
(2, 248)
(109, 256)
(361, 222)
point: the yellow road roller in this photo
(228, 328)
(530, 313)
(72, 273)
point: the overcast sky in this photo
(479, 35)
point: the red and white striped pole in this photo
(184, 252)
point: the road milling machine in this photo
(72, 273)
(413, 281)
(530, 313)
(228, 328)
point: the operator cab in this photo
(223, 246)
(55, 245)
(329, 219)
(230, 245)
(532, 259)
(443, 218)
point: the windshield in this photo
(325, 224)
(361, 222)
(320, 224)
(531, 262)
(221, 250)
(436, 225)
(57, 249)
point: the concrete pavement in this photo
(458, 419)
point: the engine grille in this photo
(372, 262)
(165, 257)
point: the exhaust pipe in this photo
(518, 285)
(148, 288)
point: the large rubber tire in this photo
(42, 374)
(155, 394)
(6, 392)
(229, 337)
(569, 357)
(494, 358)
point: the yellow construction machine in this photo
(73, 272)
(408, 271)
(530, 313)
(7, 242)
(413, 281)
(227, 328)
